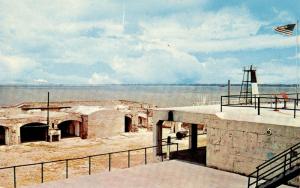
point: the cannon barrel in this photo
(181, 134)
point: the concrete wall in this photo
(106, 123)
(14, 135)
(241, 146)
(84, 127)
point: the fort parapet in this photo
(30, 121)
(20, 126)
(238, 139)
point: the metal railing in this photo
(276, 166)
(89, 158)
(263, 101)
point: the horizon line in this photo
(138, 84)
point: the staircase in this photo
(277, 170)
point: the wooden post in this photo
(276, 101)
(258, 107)
(221, 103)
(295, 108)
(48, 119)
(48, 108)
(228, 91)
(147, 113)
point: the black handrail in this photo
(265, 94)
(285, 160)
(257, 102)
(277, 156)
(278, 168)
(89, 157)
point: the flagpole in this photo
(297, 66)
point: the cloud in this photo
(40, 81)
(172, 66)
(221, 69)
(102, 79)
(277, 72)
(16, 64)
(159, 43)
(14, 69)
(230, 29)
(282, 15)
(227, 23)
(157, 66)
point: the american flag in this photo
(286, 29)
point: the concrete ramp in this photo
(172, 173)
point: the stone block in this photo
(213, 136)
(251, 141)
(239, 139)
(245, 165)
(226, 138)
(220, 160)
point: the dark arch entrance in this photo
(34, 132)
(2, 135)
(128, 123)
(70, 128)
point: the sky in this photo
(146, 41)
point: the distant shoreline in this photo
(102, 85)
(162, 95)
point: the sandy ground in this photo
(67, 148)
(75, 147)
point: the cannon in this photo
(181, 134)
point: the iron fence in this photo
(263, 101)
(89, 159)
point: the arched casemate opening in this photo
(2, 135)
(34, 132)
(69, 128)
(128, 123)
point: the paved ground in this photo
(167, 174)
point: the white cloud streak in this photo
(15, 64)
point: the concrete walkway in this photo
(167, 174)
